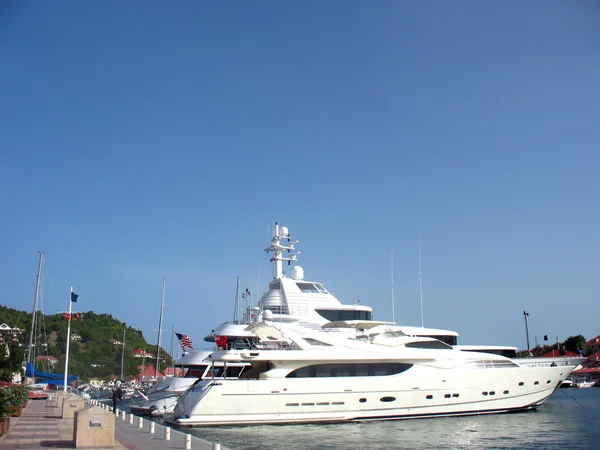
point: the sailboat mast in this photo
(30, 348)
(123, 351)
(162, 307)
(526, 315)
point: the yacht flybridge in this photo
(308, 303)
(300, 375)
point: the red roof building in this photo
(148, 373)
(593, 344)
(139, 353)
(590, 366)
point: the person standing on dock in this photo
(116, 396)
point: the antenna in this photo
(421, 282)
(392, 268)
(236, 309)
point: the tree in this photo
(574, 343)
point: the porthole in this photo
(447, 396)
(429, 397)
(387, 399)
(536, 383)
(484, 393)
(505, 392)
(363, 400)
(455, 395)
(492, 392)
(521, 383)
(548, 382)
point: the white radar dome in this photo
(297, 273)
(284, 231)
(267, 314)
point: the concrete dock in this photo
(41, 426)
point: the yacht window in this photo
(450, 340)
(361, 370)
(325, 370)
(501, 352)
(233, 372)
(394, 334)
(321, 289)
(349, 370)
(195, 372)
(308, 288)
(436, 345)
(493, 364)
(312, 341)
(216, 372)
(336, 315)
(345, 370)
(275, 285)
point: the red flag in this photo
(221, 341)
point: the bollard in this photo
(167, 434)
(140, 422)
(152, 424)
(130, 418)
(122, 415)
(188, 442)
(216, 447)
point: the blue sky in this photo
(144, 140)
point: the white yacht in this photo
(363, 352)
(300, 375)
(198, 370)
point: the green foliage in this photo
(92, 353)
(574, 343)
(5, 402)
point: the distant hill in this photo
(96, 344)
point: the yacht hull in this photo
(248, 402)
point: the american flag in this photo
(184, 341)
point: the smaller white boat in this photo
(584, 384)
(566, 384)
(163, 396)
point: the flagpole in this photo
(68, 339)
(172, 351)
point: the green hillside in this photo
(92, 351)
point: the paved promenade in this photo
(41, 426)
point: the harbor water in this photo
(570, 419)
